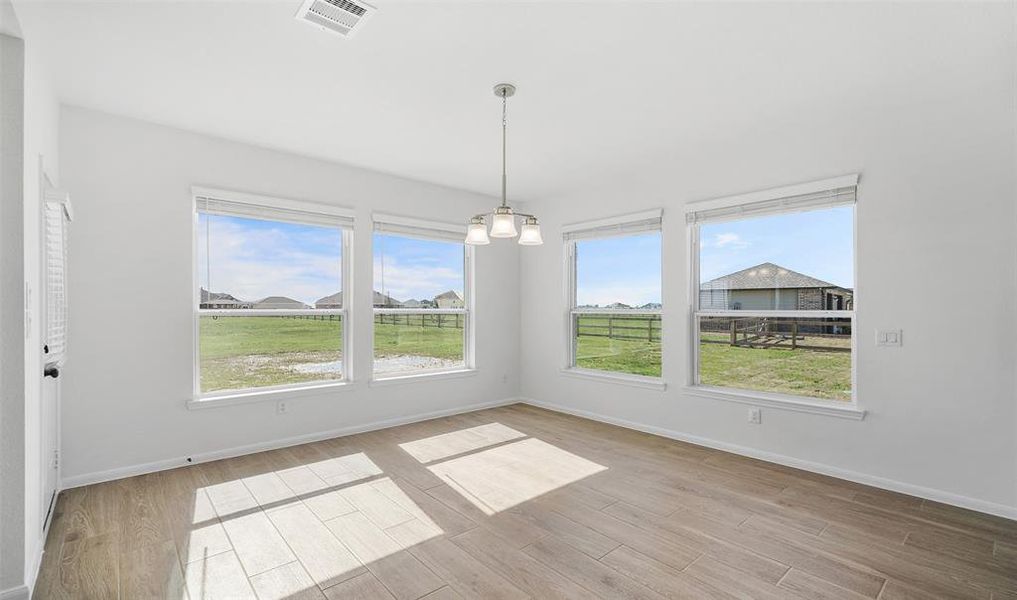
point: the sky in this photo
(252, 259)
(818, 243)
(622, 269)
(410, 268)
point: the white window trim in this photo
(403, 226)
(263, 207)
(808, 404)
(600, 229)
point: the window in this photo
(614, 295)
(773, 292)
(422, 298)
(269, 301)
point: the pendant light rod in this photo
(504, 144)
(504, 91)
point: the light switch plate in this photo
(889, 337)
(755, 416)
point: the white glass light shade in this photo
(476, 235)
(504, 224)
(531, 234)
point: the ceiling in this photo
(603, 86)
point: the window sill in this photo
(650, 383)
(416, 377)
(271, 395)
(778, 401)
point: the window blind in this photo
(235, 204)
(810, 196)
(56, 216)
(644, 222)
(410, 227)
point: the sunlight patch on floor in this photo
(296, 530)
(505, 476)
(457, 442)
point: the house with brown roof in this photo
(769, 286)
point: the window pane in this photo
(251, 352)
(251, 263)
(418, 273)
(794, 261)
(619, 343)
(418, 342)
(619, 272)
(802, 357)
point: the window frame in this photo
(776, 201)
(410, 227)
(619, 226)
(264, 208)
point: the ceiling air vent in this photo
(341, 16)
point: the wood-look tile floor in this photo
(514, 502)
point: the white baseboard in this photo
(172, 463)
(1001, 510)
(16, 593)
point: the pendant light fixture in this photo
(503, 219)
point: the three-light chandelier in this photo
(503, 220)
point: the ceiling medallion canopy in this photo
(503, 219)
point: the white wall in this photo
(12, 382)
(42, 112)
(33, 139)
(128, 374)
(936, 247)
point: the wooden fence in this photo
(620, 327)
(773, 332)
(442, 321)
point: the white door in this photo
(56, 215)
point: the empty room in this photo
(463, 299)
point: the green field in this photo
(639, 355)
(248, 352)
(800, 372)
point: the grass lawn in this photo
(799, 372)
(619, 356)
(246, 352)
(640, 356)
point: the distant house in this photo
(330, 302)
(219, 300)
(336, 301)
(651, 306)
(385, 301)
(449, 299)
(617, 305)
(772, 287)
(279, 302)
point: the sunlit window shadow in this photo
(284, 532)
(505, 476)
(458, 442)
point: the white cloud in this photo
(728, 240)
(254, 263)
(418, 281)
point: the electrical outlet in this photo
(889, 337)
(281, 408)
(755, 416)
